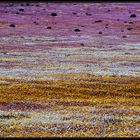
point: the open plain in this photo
(69, 69)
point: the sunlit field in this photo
(82, 105)
(69, 69)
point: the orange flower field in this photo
(69, 69)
